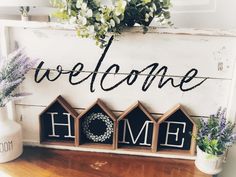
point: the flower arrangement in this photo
(24, 10)
(12, 74)
(95, 19)
(215, 135)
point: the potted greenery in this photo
(97, 18)
(12, 74)
(215, 135)
(24, 11)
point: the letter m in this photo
(134, 140)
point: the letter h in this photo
(60, 124)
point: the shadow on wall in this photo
(229, 169)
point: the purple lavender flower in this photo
(215, 134)
(12, 72)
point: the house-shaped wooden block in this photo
(175, 129)
(136, 129)
(96, 127)
(57, 123)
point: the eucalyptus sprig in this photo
(96, 19)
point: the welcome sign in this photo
(153, 69)
(160, 69)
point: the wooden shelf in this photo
(136, 29)
(42, 162)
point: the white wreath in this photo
(103, 118)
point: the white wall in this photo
(219, 14)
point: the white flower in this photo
(84, 6)
(82, 20)
(72, 20)
(103, 19)
(151, 9)
(79, 3)
(147, 17)
(117, 20)
(120, 7)
(154, 6)
(151, 14)
(107, 3)
(112, 23)
(89, 13)
(90, 29)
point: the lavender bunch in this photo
(12, 74)
(215, 135)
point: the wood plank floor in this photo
(39, 162)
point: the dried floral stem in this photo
(215, 135)
(12, 74)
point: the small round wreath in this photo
(92, 136)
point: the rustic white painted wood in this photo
(4, 39)
(212, 93)
(212, 52)
(231, 111)
(175, 51)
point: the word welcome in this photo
(154, 70)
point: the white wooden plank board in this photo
(213, 93)
(179, 53)
(231, 108)
(136, 29)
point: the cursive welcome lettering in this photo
(114, 69)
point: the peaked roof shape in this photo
(103, 106)
(139, 105)
(172, 111)
(64, 104)
(191, 151)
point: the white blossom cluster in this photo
(96, 18)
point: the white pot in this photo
(209, 164)
(11, 145)
(25, 18)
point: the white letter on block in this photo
(134, 141)
(176, 134)
(60, 124)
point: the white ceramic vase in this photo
(11, 145)
(209, 164)
(25, 18)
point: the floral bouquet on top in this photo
(215, 135)
(96, 18)
(12, 73)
